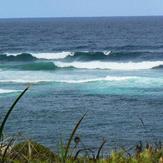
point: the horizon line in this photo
(42, 17)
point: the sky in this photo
(79, 8)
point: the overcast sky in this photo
(79, 8)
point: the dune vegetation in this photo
(29, 151)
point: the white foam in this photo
(107, 78)
(59, 55)
(55, 55)
(4, 91)
(25, 81)
(111, 65)
(107, 52)
(11, 54)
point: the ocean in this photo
(110, 67)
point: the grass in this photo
(32, 152)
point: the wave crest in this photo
(37, 66)
(86, 56)
(18, 57)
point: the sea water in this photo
(111, 68)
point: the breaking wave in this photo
(85, 56)
(83, 60)
(58, 65)
(17, 57)
(34, 56)
(111, 65)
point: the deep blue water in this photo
(110, 67)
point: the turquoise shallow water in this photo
(113, 71)
(114, 103)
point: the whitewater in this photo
(81, 67)
(112, 65)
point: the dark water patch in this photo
(86, 56)
(38, 66)
(137, 47)
(33, 66)
(158, 67)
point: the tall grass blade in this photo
(5, 151)
(72, 135)
(81, 150)
(99, 150)
(9, 112)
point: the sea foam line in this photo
(4, 91)
(110, 65)
(24, 81)
(107, 78)
(52, 55)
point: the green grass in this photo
(32, 152)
